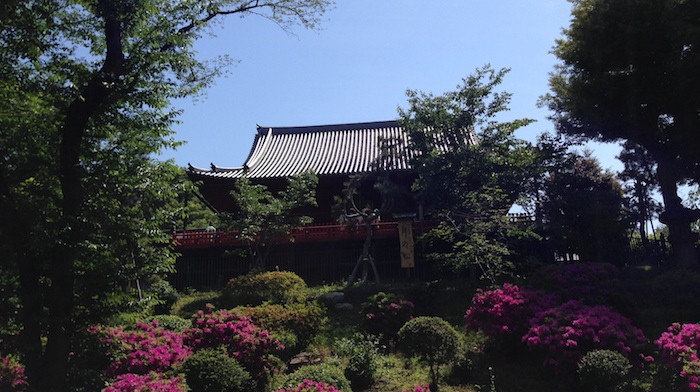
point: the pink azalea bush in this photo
(152, 382)
(419, 388)
(505, 311)
(592, 283)
(12, 376)
(310, 386)
(679, 349)
(145, 349)
(385, 313)
(567, 332)
(244, 341)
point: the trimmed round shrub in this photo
(294, 324)
(362, 352)
(275, 287)
(432, 339)
(212, 370)
(603, 371)
(171, 322)
(165, 296)
(326, 373)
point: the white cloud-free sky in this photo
(358, 67)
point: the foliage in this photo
(251, 346)
(85, 107)
(505, 311)
(171, 322)
(144, 349)
(212, 370)
(432, 339)
(679, 349)
(565, 333)
(457, 143)
(276, 287)
(262, 218)
(12, 376)
(165, 296)
(328, 374)
(385, 314)
(152, 382)
(362, 352)
(609, 88)
(639, 176)
(311, 386)
(603, 371)
(677, 291)
(295, 324)
(590, 283)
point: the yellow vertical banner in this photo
(406, 242)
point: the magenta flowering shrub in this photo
(12, 376)
(567, 332)
(505, 311)
(145, 349)
(419, 388)
(244, 341)
(386, 313)
(152, 382)
(679, 349)
(592, 283)
(310, 386)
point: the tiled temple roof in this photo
(280, 152)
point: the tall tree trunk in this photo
(677, 218)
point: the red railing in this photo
(311, 233)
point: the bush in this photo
(679, 350)
(212, 370)
(295, 324)
(385, 313)
(152, 382)
(591, 283)
(603, 371)
(567, 332)
(432, 339)
(677, 293)
(171, 323)
(275, 287)
(12, 376)
(362, 352)
(251, 346)
(311, 386)
(326, 373)
(164, 295)
(505, 311)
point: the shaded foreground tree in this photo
(471, 169)
(84, 103)
(629, 72)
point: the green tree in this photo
(85, 88)
(584, 210)
(263, 218)
(628, 71)
(471, 169)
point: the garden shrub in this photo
(144, 349)
(603, 371)
(385, 313)
(326, 373)
(432, 339)
(679, 350)
(171, 322)
(590, 283)
(212, 370)
(505, 311)
(12, 376)
(295, 324)
(251, 346)
(362, 352)
(567, 332)
(419, 388)
(164, 296)
(310, 386)
(152, 382)
(275, 287)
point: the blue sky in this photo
(358, 67)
